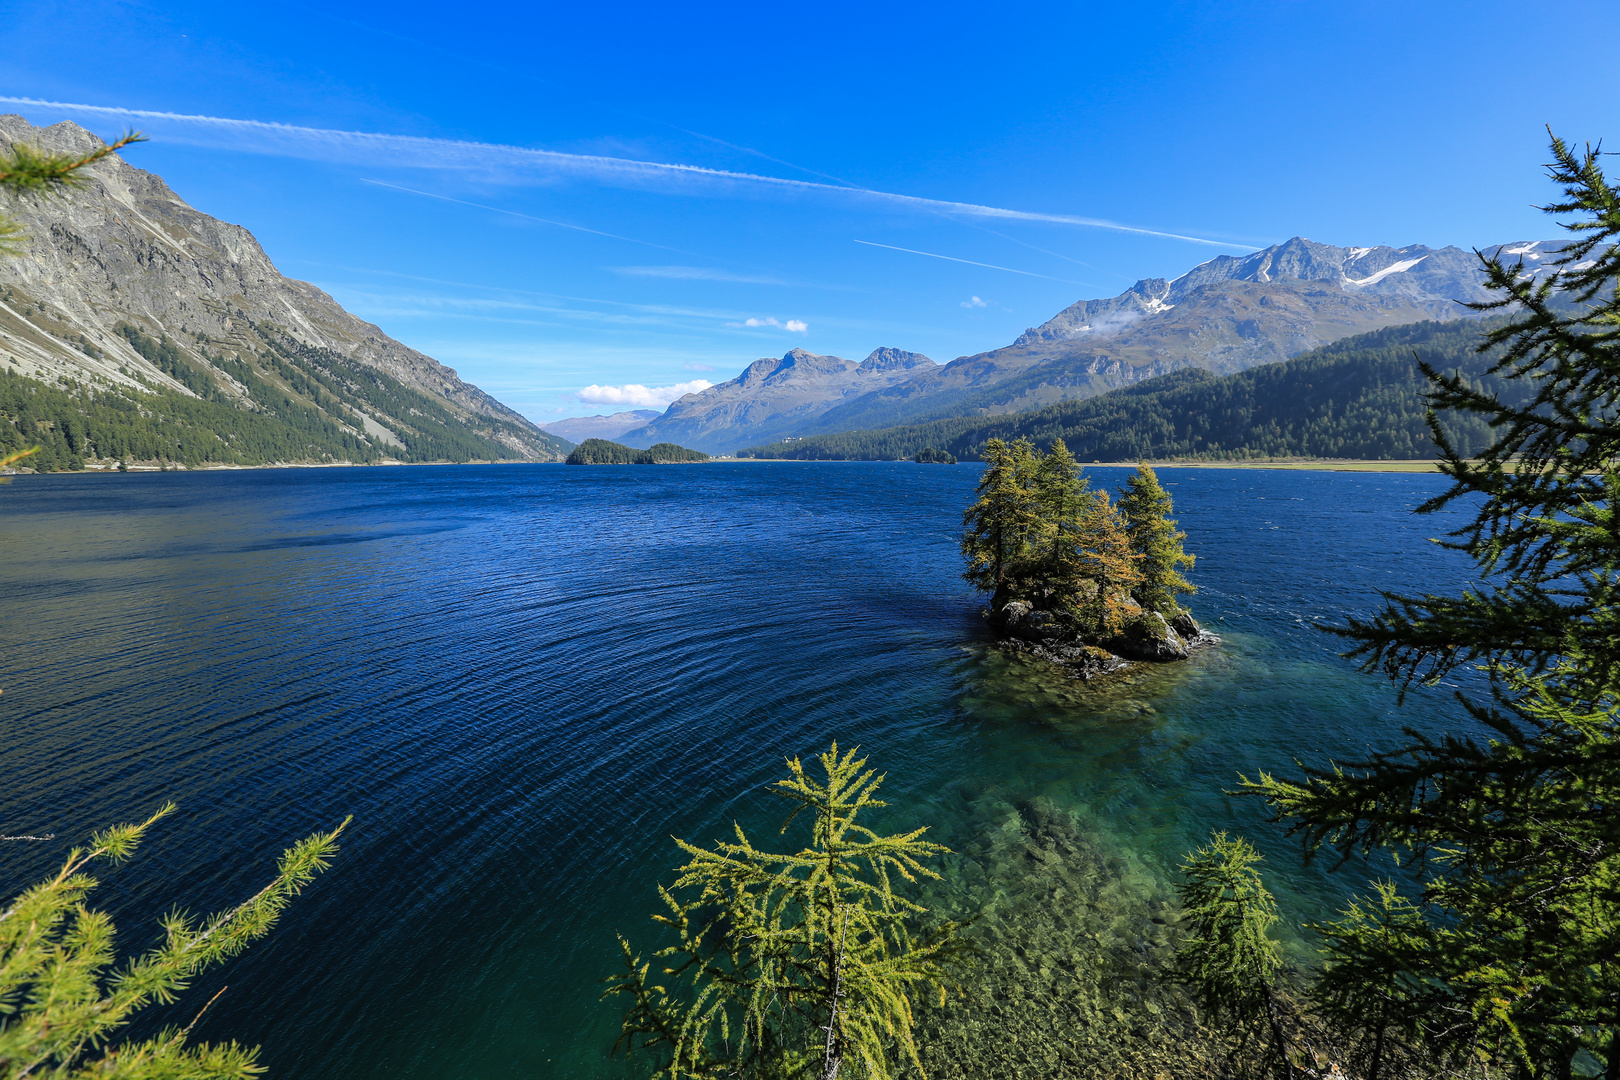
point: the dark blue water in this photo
(523, 680)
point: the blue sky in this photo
(492, 184)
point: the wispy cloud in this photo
(973, 302)
(794, 325)
(518, 164)
(697, 273)
(970, 262)
(647, 397)
(526, 217)
(689, 366)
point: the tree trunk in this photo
(1612, 1071)
(1378, 1041)
(1279, 1042)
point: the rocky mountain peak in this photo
(886, 359)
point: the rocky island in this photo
(1073, 577)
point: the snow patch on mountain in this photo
(1393, 268)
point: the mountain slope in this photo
(577, 429)
(1225, 315)
(776, 397)
(125, 260)
(1361, 397)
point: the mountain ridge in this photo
(774, 395)
(1225, 315)
(126, 252)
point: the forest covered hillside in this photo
(1361, 397)
(135, 328)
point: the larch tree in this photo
(1228, 958)
(799, 964)
(1146, 507)
(62, 1003)
(1503, 942)
(1062, 497)
(1110, 564)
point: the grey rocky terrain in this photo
(773, 398)
(126, 251)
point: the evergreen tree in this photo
(1062, 498)
(1001, 522)
(61, 1005)
(1145, 507)
(1228, 958)
(1509, 947)
(792, 965)
(1038, 533)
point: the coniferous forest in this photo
(297, 404)
(1361, 398)
(606, 452)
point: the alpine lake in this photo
(522, 681)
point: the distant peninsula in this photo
(603, 452)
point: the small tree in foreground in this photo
(1229, 959)
(61, 1006)
(791, 965)
(24, 169)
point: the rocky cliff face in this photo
(773, 398)
(126, 251)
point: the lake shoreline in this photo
(1296, 465)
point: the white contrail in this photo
(529, 217)
(970, 262)
(414, 151)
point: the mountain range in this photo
(1225, 315)
(162, 317)
(1360, 397)
(772, 398)
(577, 429)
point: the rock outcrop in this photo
(1147, 638)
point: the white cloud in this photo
(518, 164)
(689, 366)
(645, 397)
(973, 302)
(796, 326)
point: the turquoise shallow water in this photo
(523, 680)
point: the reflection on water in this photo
(523, 680)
